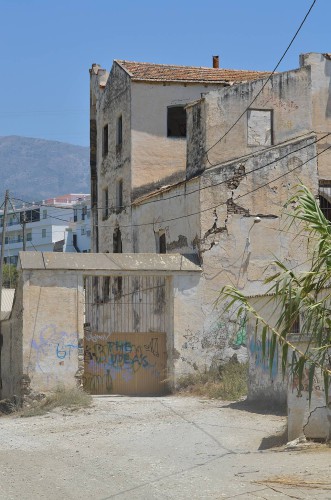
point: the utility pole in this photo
(24, 231)
(2, 254)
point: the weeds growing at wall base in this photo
(72, 397)
(227, 382)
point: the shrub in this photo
(228, 382)
(72, 397)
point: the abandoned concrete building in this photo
(143, 204)
(247, 145)
(171, 174)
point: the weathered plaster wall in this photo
(310, 420)
(233, 248)
(115, 101)
(52, 324)
(154, 155)
(174, 212)
(11, 352)
(287, 95)
(264, 384)
(320, 67)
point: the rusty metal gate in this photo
(125, 335)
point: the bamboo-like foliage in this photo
(298, 295)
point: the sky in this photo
(48, 46)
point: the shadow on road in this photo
(258, 407)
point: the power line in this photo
(20, 223)
(228, 180)
(224, 203)
(264, 85)
(114, 209)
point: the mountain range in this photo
(37, 169)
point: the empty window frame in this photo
(117, 241)
(106, 289)
(259, 127)
(105, 140)
(293, 317)
(325, 206)
(105, 203)
(119, 131)
(176, 121)
(325, 198)
(162, 243)
(119, 194)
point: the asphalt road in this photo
(156, 448)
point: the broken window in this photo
(105, 203)
(105, 140)
(259, 127)
(119, 195)
(293, 317)
(176, 121)
(117, 241)
(106, 288)
(325, 206)
(119, 131)
(162, 243)
(325, 198)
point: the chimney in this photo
(216, 61)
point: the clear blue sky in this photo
(48, 46)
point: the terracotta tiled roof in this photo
(169, 73)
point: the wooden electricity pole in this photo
(2, 253)
(24, 231)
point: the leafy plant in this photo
(9, 276)
(298, 295)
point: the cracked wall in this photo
(212, 217)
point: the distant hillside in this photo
(36, 169)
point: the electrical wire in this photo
(264, 85)
(113, 208)
(15, 213)
(224, 203)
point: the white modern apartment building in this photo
(57, 224)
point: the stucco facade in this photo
(43, 336)
(228, 212)
(132, 148)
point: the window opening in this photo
(325, 206)
(105, 202)
(119, 195)
(117, 241)
(105, 140)
(176, 121)
(119, 131)
(162, 243)
(106, 288)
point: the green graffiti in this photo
(241, 335)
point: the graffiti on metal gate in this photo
(120, 360)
